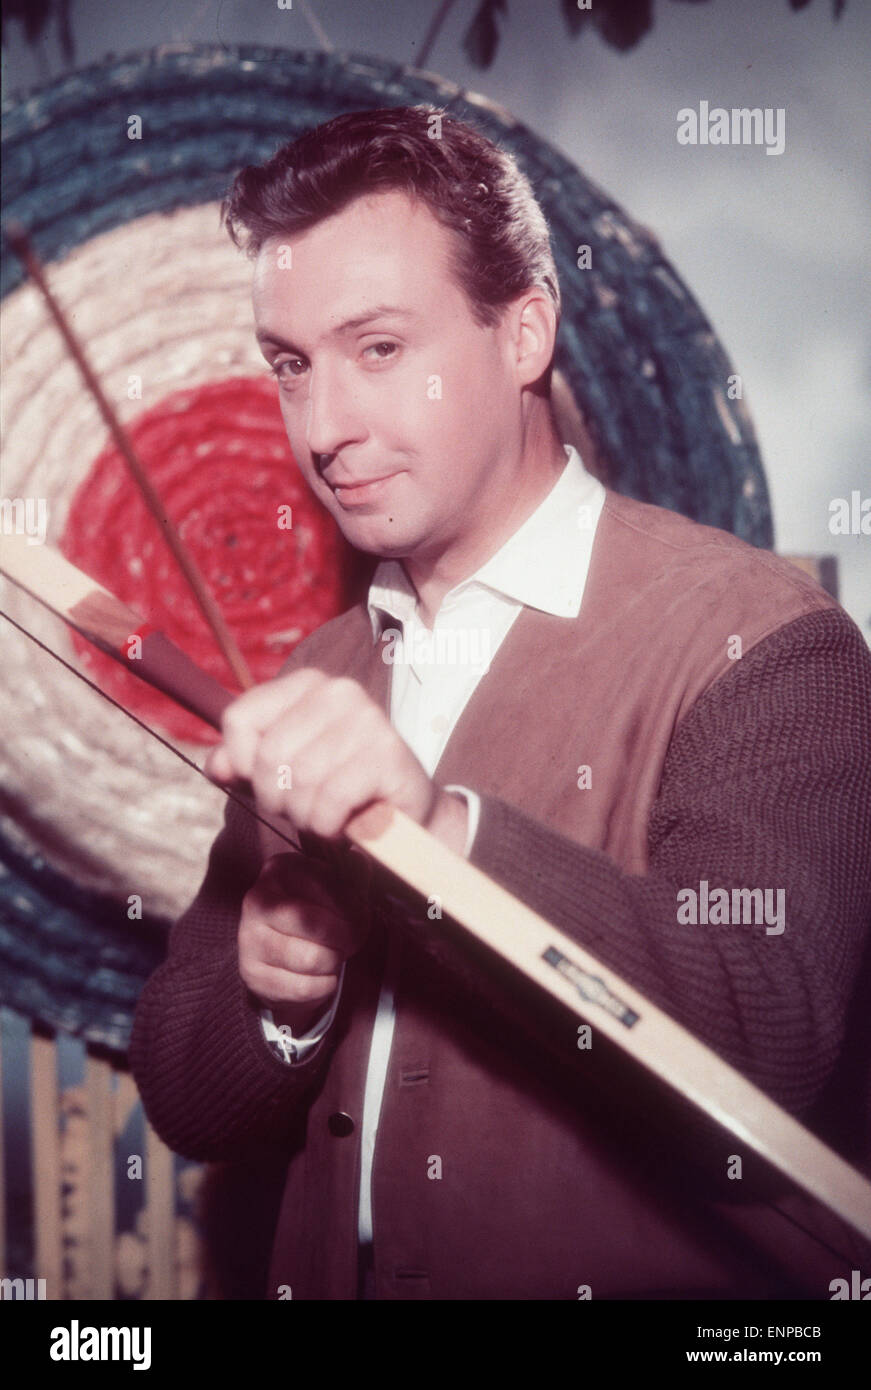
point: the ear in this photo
(532, 325)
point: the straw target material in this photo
(92, 791)
(130, 233)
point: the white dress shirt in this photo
(543, 565)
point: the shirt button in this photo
(340, 1124)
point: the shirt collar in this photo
(543, 565)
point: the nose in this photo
(332, 419)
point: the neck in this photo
(534, 477)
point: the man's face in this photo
(384, 374)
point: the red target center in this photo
(271, 555)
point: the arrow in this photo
(20, 243)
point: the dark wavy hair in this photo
(501, 243)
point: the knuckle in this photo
(374, 713)
(252, 944)
(307, 956)
(327, 818)
(256, 978)
(233, 718)
(266, 759)
(343, 689)
(308, 989)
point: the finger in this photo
(296, 757)
(244, 721)
(279, 986)
(299, 955)
(371, 763)
(355, 785)
(297, 921)
(218, 767)
(351, 788)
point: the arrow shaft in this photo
(20, 243)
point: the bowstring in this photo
(240, 801)
(772, 1205)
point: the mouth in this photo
(351, 494)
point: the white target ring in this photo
(165, 298)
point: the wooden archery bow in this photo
(552, 960)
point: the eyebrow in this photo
(381, 311)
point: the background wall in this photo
(773, 246)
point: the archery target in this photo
(130, 236)
(163, 308)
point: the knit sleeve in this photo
(210, 1084)
(766, 784)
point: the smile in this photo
(361, 492)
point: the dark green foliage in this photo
(621, 23)
(34, 15)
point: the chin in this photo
(378, 539)
(388, 547)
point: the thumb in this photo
(217, 766)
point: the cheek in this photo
(292, 409)
(437, 402)
(472, 385)
(294, 418)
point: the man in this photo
(650, 710)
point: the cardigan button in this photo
(340, 1124)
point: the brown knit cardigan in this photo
(563, 1169)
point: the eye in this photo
(393, 348)
(277, 368)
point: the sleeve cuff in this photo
(281, 1040)
(473, 807)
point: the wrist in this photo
(298, 1017)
